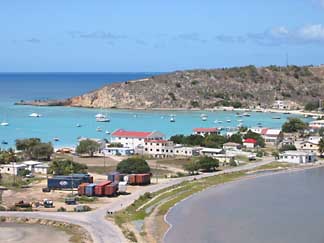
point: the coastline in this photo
(240, 180)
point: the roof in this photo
(132, 134)
(231, 144)
(157, 141)
(13, 165)
(206, 129)
(297, 153)
(31, 162)
(43, 165)
(250, 140)
(211, 150)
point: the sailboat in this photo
(4, 124)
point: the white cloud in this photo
(312, 32)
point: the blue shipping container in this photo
(89, 190)
(63, 182)
(112, 176)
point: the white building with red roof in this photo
(203, 131)
(134, 139)
(272, 136)
(249, 143)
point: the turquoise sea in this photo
(61, 121)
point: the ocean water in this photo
(61, 121)
(282, 208)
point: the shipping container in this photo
(63, 182)
(121, 177)
(111, 189)
(89, 190)
(143, 179)
(132, 179)
(113, 176)
(81, 188)
(100, 188)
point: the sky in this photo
(158, 35)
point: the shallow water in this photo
(282, 208)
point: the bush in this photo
(287, 147)
(294, 125)
(133, 166)
(61, 209)
(87, 146)
(208, 164)
(66, 167)
(194, 103)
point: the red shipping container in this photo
(91, 179)
(132, 179)
(100, 188)
(111, 189)
(81, 189)
(143, 179)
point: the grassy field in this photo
(175, 162)
(276, 165)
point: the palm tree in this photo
(321, 147)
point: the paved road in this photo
(103, 231)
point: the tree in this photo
(33, 148)
(321, 147)
(259, 139)
(178, 139)
(236, 138)
(207, 163)
(294, 125)
(87, 146)
(7, 156)
(66, 167)
(321, 131)
(192, 167)
(287, 147)
(133, 166)
(42, 151)
(214, 141)
(232, 162)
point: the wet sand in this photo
(31, 233)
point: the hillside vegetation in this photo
(242, 86)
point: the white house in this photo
(231, 146)
(12, 168)
(281, 105)
(271, 136)
(309, 145)
(249, 143)
(211, 151)
(316, 124)
(118, 151)
(133, 139)
(180, 150)
(297, 157)
(159, 148)
(41, 168)
(205, 131)
(30, 164)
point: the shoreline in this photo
(246, 177)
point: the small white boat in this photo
(228, 121)
(78, 125)
(172, 119)
(239, 120)
(204, 118)
(276, 117)
(102, 119)
(107, 132)
(35, 115)
(99, 129)
(4, 124)
(99, 115)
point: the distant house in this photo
(211, 151)
(281, 105)
(270, 136)
(205, 131)
(30, 165)
(41, 168)
(297, 157)
(309, 145)
(249, 143)
(231, 146)
(12, 168)
(134, 139)
(159, 148)
(181, 150)
(118, 151)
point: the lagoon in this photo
(281, 208)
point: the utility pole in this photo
(287, 59)
(72, 184)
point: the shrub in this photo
(61, 209)
(133, 166)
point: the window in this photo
(167, 150)
(139, 139)
(157, 150)
(151, 149)
(162, 150)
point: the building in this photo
(205, 131)
(232, 146)
(118, 151)
(281, 105)
(180, 150)
(133, 139)
(249, 143)
(12, 168)
(41, 169)
(316, 124)
(30, 165)
(270, 136)
(297, 157)
(309, 145)
(159, 148)
(211, 152)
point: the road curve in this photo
(102, 230)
